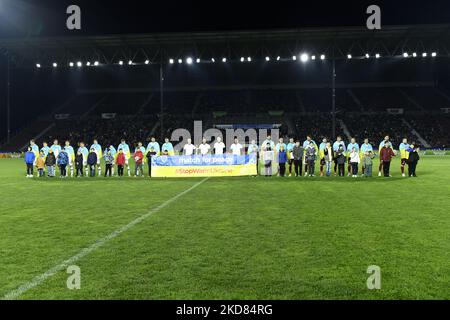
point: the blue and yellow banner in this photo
(204, 166)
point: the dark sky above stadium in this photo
(24, 18)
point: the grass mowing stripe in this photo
(52, 271)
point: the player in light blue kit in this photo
(350, 147)
(168, 147)
(98, 150)
(306, 144)
(45, 148)
(85, 152)
(113, 153)
(71, 155)
(365, 147)
(153, 144)
(289, 149)
(126, 150)
(336, 145)
(35, 149)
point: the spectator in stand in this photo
(386, 155)
(413, 159)
(50, 162)
(121, 159)
(138, 158)
(30, 157)
(92, 162)
(282, 159)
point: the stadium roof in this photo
(332, 42)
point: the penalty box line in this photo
(14, 294)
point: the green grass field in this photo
(227, 238)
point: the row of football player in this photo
(236, 148)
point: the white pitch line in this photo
(63, 265)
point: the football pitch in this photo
(226, 238)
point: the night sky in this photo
(27, 18)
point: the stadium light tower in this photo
(304, 57)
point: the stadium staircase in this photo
(443, 94)
(355, 99)
(300, 102)
(344, 129)
(34, 130)
(418, 136)
(411, 100)
(145, 103)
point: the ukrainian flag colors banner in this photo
(204, 166)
